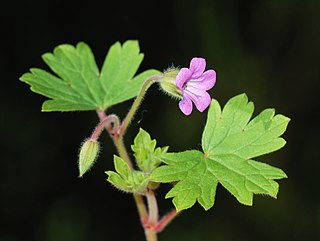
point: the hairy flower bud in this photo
(168, 83)
(87, 156)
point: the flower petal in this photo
(200, 98)
(203, 101)
(197, 66)
(206, 81)
(182, 77)
(194, 90)
(185, 105)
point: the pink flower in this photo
(194, 83)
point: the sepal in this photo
(168, 83)
(88, 154)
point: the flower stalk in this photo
(148, 217)
(117, 132)
(148, 82)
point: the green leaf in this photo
(126, 179)
(229, 143)
(147, 156)
(78, 83)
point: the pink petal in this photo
(197, 66)
(201, 98)
(185, 105)
(182, 77)
(205, 82)
(194, 90)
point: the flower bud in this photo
(168, 83)
(87, 156)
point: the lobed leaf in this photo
(126, 179)
(147, 156)
(195, 182)
(229, 141)
(78, 83)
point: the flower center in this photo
(184, 85)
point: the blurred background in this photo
(267, 49)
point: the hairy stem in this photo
(147, 83)
(143, 214)
(102, 116)
(113, 132)
(118, 141)
(150, 232)
(110, 122)
(142, 210)
(149, 219)
(152, 208)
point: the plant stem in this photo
(118, 141)
(102, 116)
(152, 208)
(109, 122)
(142, 210)
(149, 219)
(143, 214)
(147, 83)
(166, 220)
(150, 234)
(149, 226)
(113, 132)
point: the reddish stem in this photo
(110, 122)
(142, 210)
(148, 218)
(102, 115)
(166, 220)
(152, 208)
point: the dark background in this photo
(268, 49)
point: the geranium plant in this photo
(231, 140)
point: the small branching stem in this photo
(113, 132)
(166, 220)
(149, 218)
(142, 210)
(110, 122)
